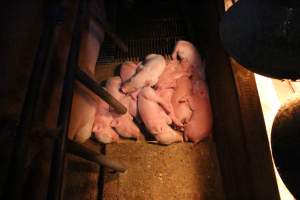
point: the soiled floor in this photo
(81, 179)
(179, 171)
(82, 176)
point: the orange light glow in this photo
(270, 101)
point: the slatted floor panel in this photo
(154, 29)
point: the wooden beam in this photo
(256, 140)
(238, 124)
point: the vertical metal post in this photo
(57, 165)
(15, 180)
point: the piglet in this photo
(179, 99)
(151, 108)
(172, 72)
(102, 125)
(148, 73)
(127, 70)
(185, 50)
(200, 124)
(123, 124)
(166, 98)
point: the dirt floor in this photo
(81, 179)
(179, 171)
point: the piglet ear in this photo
(114, 123)
(115, 138)
(95, 128)
(185, 137)
(191, 103)
(132, 96)
(139, 68)
(184, 99)
(175, 53)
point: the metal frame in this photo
(15, 179)
(58, 160)
(62, 145)
(99, 91)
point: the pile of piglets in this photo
(169, 96)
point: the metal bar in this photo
(114, 37)
(82, 151)
(58, 160)
(15, 180)
(78, 149)
(101, 92)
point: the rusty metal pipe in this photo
(84, 152)
(101, 92)
(114, 37)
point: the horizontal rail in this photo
(55, 189)
(84, 152)
(79, 150)
(13, 188)
(114, 37)
(101, 92)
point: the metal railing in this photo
(15, 181)
(62, 144)
(16, 175)
(58, 160)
